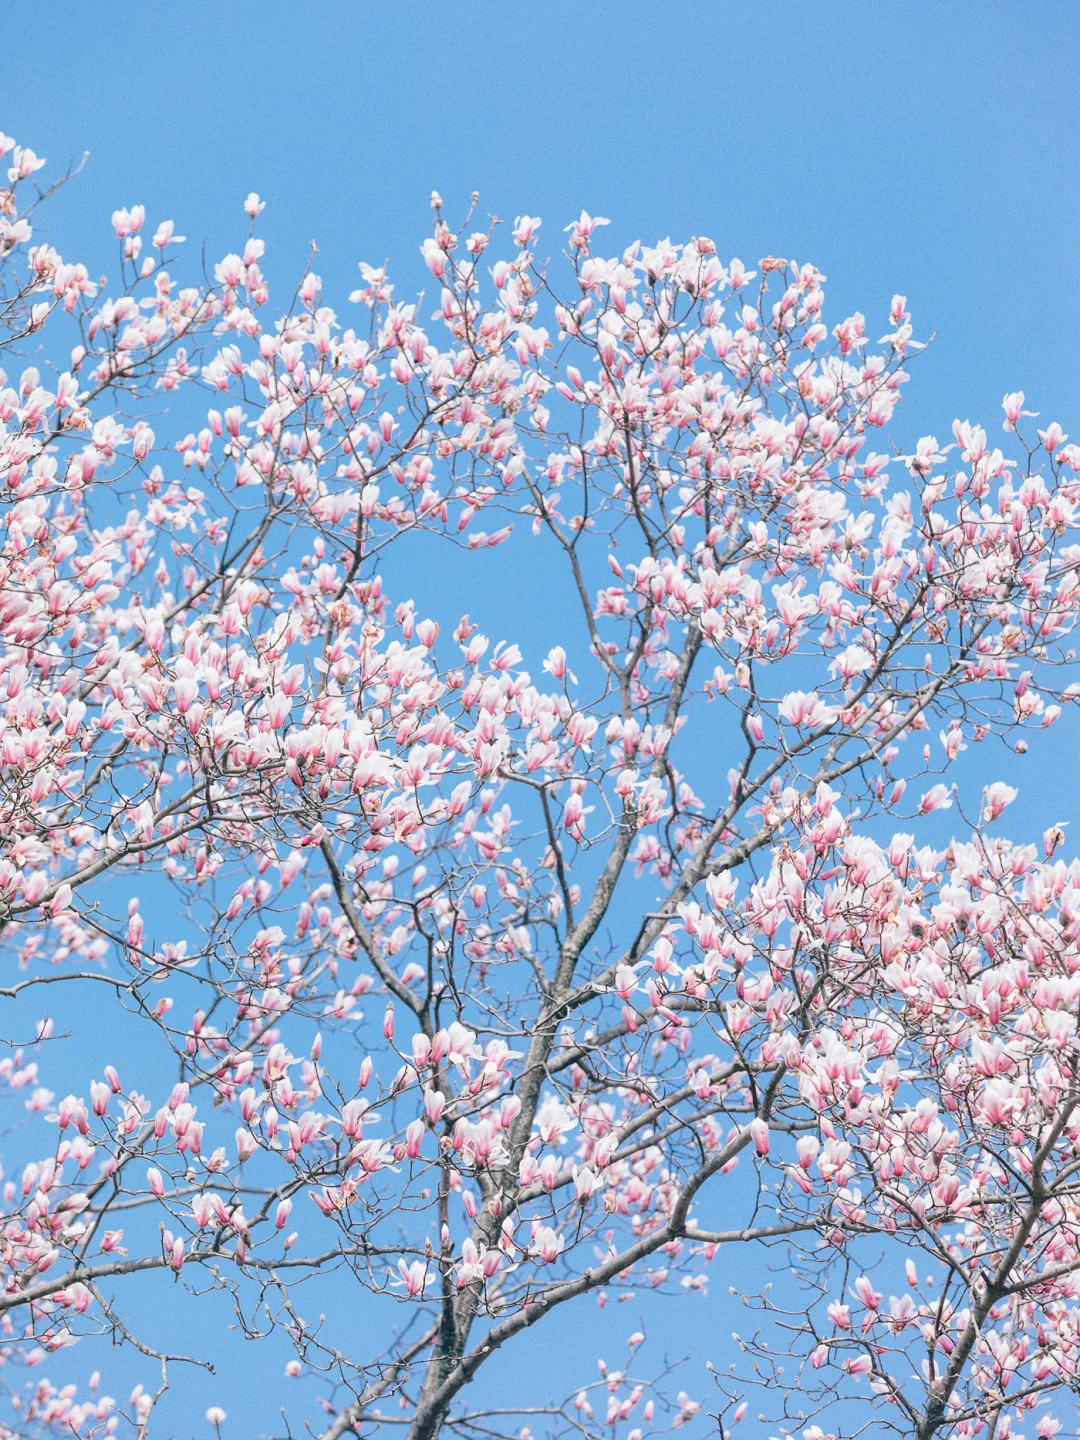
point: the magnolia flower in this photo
(799, 708)
(936, 798)
(996, 797)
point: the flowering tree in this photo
(485, 990)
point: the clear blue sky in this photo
(925, 148)
(916, 147)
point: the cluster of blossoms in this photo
(487, 986)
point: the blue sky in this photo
(922, 148)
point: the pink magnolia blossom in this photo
(488, 988)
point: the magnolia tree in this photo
(494, 986)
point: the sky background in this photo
(921, 148)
